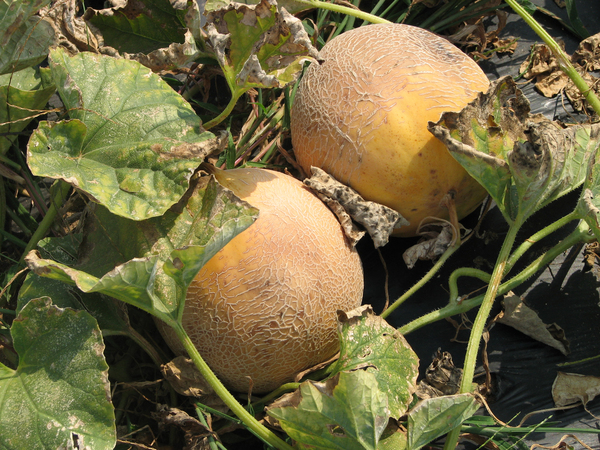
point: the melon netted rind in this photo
(264, 307)
(362, 113)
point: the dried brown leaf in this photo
(441, 378)
(544, 67)
(195, 433)
(185, 378)
(519, 316)
(431, 246)
(73, 32)
(571, 389)
(540, 63)
(553, 83)
(378, 220)
(587, 54)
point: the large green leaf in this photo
(23, 96)
(524, 161)
(59, 395)
(24, 38)
(347, 412)
(140, 26)
(367, 342)
(434, 417)
(160, 34)
(109, 313)
(132, 143)
(155, 259)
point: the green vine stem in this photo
(62, 190)
(454, 307)
(486, 306)
(448, 202)
(481, 320)
(343, 10)
(235, 96)
(464, 272)
(419, 284)
(563, 59)
(249, 420)
(526, 245)
(2, 205)
(283, 389)
(512, 260)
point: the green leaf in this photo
(110, 315)
(575, 21)
(368, 342)
(23, 96)
(524, 161)
(59, 395)
(139, 26)
(155, 259)
(588, 206)
(433, 417)
(24, 38)
(258, 45)
(393, 438)
(480, 137)
(132, 144)
(160, 34)
(346, 412)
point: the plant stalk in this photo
(581, 234)
(512, 260)
(58, 200)
(235, 96)
(481, 320)
(486, 307)
(249, 420)
(343, 10)
(419, 284)
(554, 226)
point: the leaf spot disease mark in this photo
(336, 430)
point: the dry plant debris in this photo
(543, 67)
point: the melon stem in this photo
(248, 419)
(344, 10)
(459, 305)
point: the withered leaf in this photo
(431, 246)
(258, 45)
(185, 378)
(519, 316)
(378, 220)
(571, 389)
(543, 66)
(587, 54)
(524, 161)
(442, 377)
